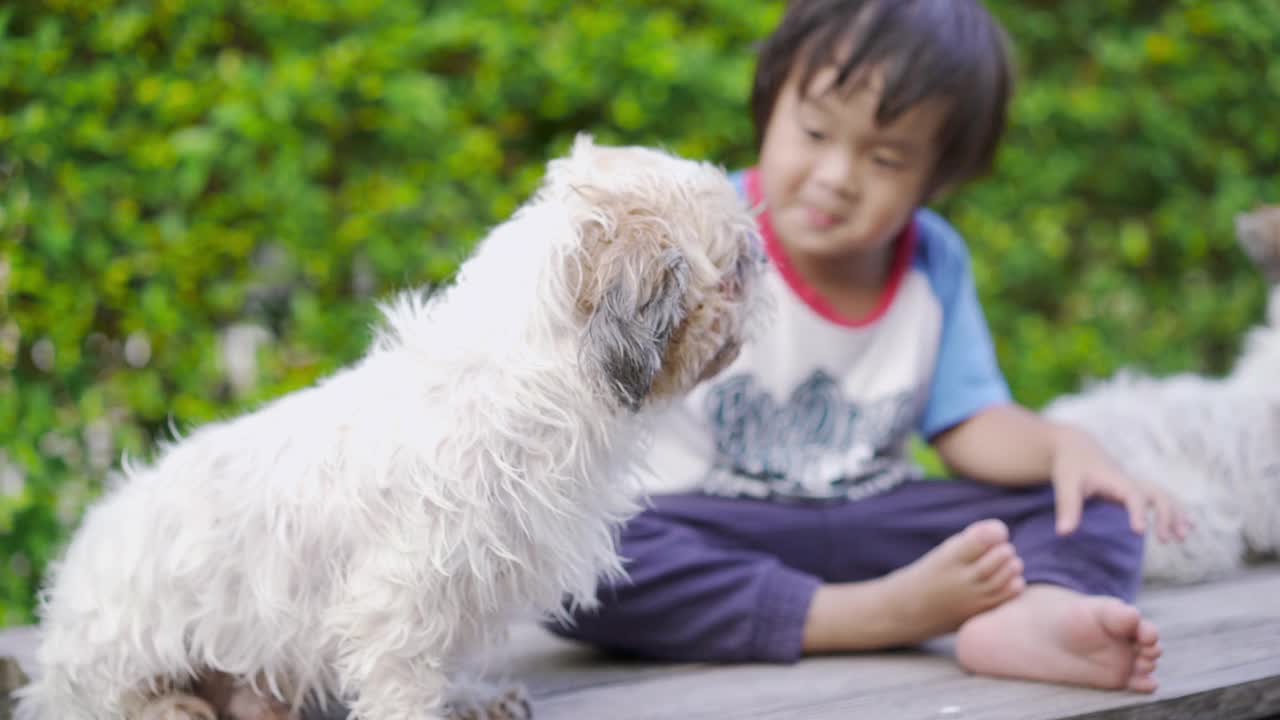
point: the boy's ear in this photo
(936, 192)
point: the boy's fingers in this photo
(1185, 523)
(1136, 501)
(1167, 518)
(1068, 501)
(1181, 521)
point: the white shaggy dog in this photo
(364, 537)
(1214, 443)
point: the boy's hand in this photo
(1082, 469)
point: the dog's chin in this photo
(678, 379)
(723, 358)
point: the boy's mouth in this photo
(820, 219)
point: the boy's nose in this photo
(836, 172)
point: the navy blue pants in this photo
(722, 579)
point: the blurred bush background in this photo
(200, 200)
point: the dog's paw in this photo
(513, 704)
(235, 699)
(463, 710)
(177, 706)
(245, 704)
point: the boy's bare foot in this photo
(1053, 634)
(972, 571)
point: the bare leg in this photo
(970, 572)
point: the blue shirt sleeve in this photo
(966, 375)
(739, 180)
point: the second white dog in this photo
(1214, 443)
(362, 538)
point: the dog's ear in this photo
(632, 324)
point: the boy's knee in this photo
(1105, 553)
(1109, 520)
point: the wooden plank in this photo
(1222, 660)
(20, 644)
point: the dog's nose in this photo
(734, 285)
(731, 288)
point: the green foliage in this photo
(1106, 236)
(172, 169)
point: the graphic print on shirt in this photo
(817, 444)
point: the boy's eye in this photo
(816, 135)
(888, 161)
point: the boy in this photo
(786, 517)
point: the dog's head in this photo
(661, 268)
(1259, 234)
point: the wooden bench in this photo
(1221, 660)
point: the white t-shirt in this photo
(821, 407)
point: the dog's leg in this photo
(395, 689)
(384, 662)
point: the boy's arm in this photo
(980, 432)
(1004, 444)
(1008, 445)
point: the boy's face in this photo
(836, 184)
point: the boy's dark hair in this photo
(950, 49)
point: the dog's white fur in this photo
(364, 537)
(1214, 443)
